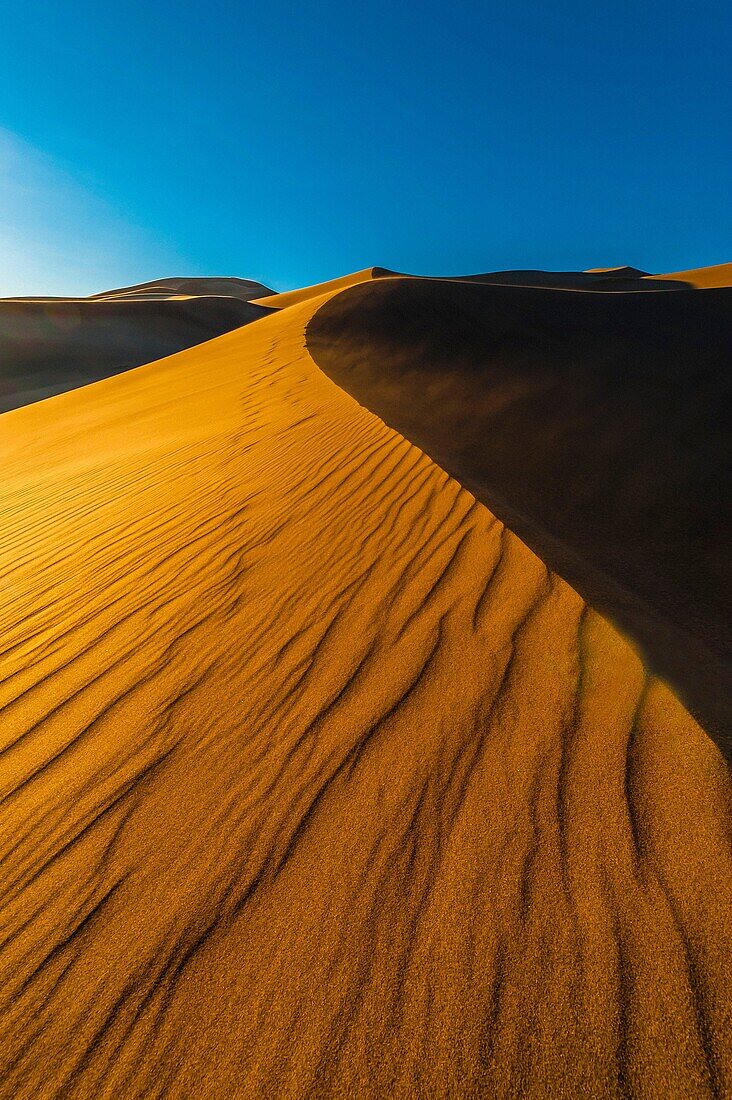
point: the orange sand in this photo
(316, 782)
(702, 277)
(320, 291)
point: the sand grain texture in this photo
(316, 781)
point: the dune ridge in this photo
(595, 425)
(320, 290)
(600, 280)
(316, 780)
(614, 280)
(244, 289)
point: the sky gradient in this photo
(292, 143)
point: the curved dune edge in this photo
(618, 279)
(319, 290)
(592, 424)
(316, 781)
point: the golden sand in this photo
(316, 782)
(320, 291)
(702, 277)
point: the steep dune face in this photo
(316, 781)
(595, 425)
(49, 347)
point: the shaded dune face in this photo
(595, 425)
(612, 279)
(49, 347)
(317, 782)
(621, 279)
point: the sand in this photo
(320, 291)
(702, 277)
(246, 290)
(49, 346)
(595, 425)
(316, 781)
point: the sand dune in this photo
(48, 346)
(244, 289)
(595, 425)
(320, 290)
(620, 272)
(615, 280)
(702, 277)
(316, 781)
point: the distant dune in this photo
(614, 280)
(53, 345)
(316, 780)
(244, 289)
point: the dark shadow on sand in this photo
(595, 425)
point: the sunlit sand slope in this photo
(319, 290)
(316, 782)
(702, 277)
(595, 425)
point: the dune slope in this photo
(316, 781)
(244, 289)
(320, 290)
(596, 425)
(51, 346)
(701, 277)
(616, 280)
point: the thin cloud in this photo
(58, 238)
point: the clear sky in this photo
(293, 142)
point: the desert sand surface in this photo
(316, 780)
(606, 280)
(320, 290)
(48, 346)
(244, 289)
(595, 425)
(701, 277)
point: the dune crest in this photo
(320, 290)
(594, 424)
(316, 781)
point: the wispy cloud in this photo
(58, 237)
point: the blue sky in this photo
(294, 142)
